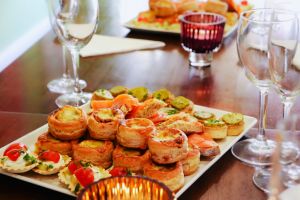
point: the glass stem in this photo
(263, 102)
(287, 106)
(66, 65)
(75, 64)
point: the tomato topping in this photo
(118, 171)
(13, 154)
(84, 176)
(244, 2)
(50, 156)
(72, 167)
(17, 146)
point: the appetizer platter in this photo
(124, 132)
(163, 15)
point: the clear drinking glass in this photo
(74, 22)
(252, 46)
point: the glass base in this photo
(200, 59)
(73, 99)
(291, 175)
(254, 152)
(64, 85)
(261, 179)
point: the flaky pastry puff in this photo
(67, 123)
(103, 123)
(168, 146)
(98, 153)
(171, 175)
(134, 133)
(132, 159)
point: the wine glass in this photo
(252, 46)
(64, 84)
(74, 22)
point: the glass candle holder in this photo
(201, 34)
(126, 188)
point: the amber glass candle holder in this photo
(126, 188)
(201, 34)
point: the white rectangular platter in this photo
(52, 182)
(132, 26)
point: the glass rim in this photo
(293, 14)
(222, 18)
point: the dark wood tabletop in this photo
(25, 100)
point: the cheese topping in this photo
(91, 143)
(50, 165)
(68, 114)
(25, 159)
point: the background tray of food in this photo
(52, 182)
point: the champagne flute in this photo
(252, 46)
(74, 22)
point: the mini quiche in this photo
(216, 128)
(51, 162)
(78, 175)
(102, 94)
(134, 133)
(103, 123)
(203, 115)
(192, 161)
(183, 104)
(235, 123)
(168, 146)
(17, 158)
(132, 159)
(96, 152)
(171, 175)
(67, 123)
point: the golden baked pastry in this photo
(163, 8)
(149, 108)
(132, 159)
(47, 142)
(216, 6)
(98, 153)
(187, 5)
(134, 133)
(103, 123)
(191, 162)
(102, 94)
(235, 123)
(168, 146)
(171, 175)
(216, 128)
(67, 123)
(203, 115)
(206, 145)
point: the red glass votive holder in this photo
(201, 34)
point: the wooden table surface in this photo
(25, 100)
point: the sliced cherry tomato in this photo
(17, 146)
(244, 2)
(84, 176)
(13, 154)
(118, 171)
(50, 156)
(72, 167)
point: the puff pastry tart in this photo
(216, 128)
(17, 158)
(78, 175)
(67, 123)
(235, 123)
(171, 175)
(51, 162)
(103, 124)
(168, 146)
(47, 142)
(191, 162)
(134, 133)
(98, 153)
(132, 159)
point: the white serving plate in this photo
(52, 182)
(130, 25)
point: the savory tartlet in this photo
(78, 175)
(206, 145)
(235, 123)
(96, 152)
(132, 159)
(134, 133)
(47, 142)
(203, 115)
(51, 162)
(183, 104)
(191, 162)
(17, 158)
(102, 94)
(171, 175)
(67, 123)
(103, 123)
(149, 108)
(168, 146)
(216, 128)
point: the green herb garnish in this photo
(29, 159)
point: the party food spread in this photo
(126, 131)
(163, 15)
